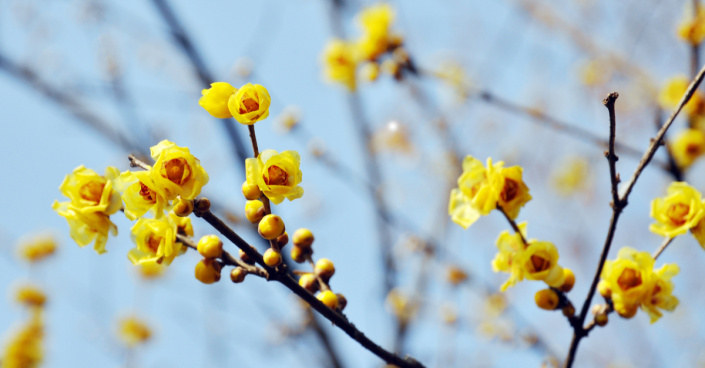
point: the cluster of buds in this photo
(347, 60)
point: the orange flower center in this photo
(250, 105)
(677, 212)
(275, 176)
(540, 263)
(693, 150)
(92, 191)
(153, 243)
(148, 194)
(629, 278)
(177, 170)
(510, 190)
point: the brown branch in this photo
(284, 278)
(226, 258)
(514, 225)
(662, 247)
(611, 157)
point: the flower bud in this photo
(201, 205)
(271, 226)
(210, 246)
(215, 99)
(254, 211)
(183, 207)
(604, 288)
(245, 258)
(237, 275)
(299, 255)
(272, 258)
(342, 302)
(303, 238)
(282, 240)
(569, 310)
(309, 282)
(251, 191)
(208, 271)
(601, 319)
(324, 269)
(546, 299)
(626, 311)
(328, 298)
(569, 280)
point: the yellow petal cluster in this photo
(340, 62)
(176, 171)
(481, 189)
(92, 200)
(692, 28)
(141, 194)
(674, 90)
(155, 240)
(133, 331)
(215, 99)
(631, 282)
(507, 260)
(24, 349)
(679, 211)
(688, 146)
(276, 174)
(250, 104)
(375, 22)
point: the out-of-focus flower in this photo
(679, 211)
(674, 90)
(289, 118)
(141, 194)
(375, 22)
(455, 275)
(340, 62)
(688, 146)
(30, 296)
(155, 240)
(692, 28)
(215, 99)
(86, 228)
(24, 349)
(453, 74)
(507, 260)
(37, 248)
(594, 73)
(277, 174)
(571, 176)
(151, 270)
(176, 171)
(250, 104)
(133, 331)
(401, 306)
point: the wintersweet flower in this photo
(133, 331)
(24, 349)
(86, 228)
(176, 171)
(277, 174)
(156, 241)
(140, 194)
(340, 62)
(375, 22)
(90, 192)
(692, 29)
(698, 231)
(688, 146)
(215, 99)
(513, 193)
(660, 292)
(183, 224)
(540, 262)
(678, 212)
(674, 90)
(510, 248)
(250, 104)
(37, 248)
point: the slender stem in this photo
(253, 138)
(227, 258)
(284, 278)
(323, 284)
(514, 225)
(611, 157)
(662, 247)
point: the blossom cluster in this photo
(682, 209)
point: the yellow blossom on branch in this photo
(155, 240)
(215, 99)
(679, 211)
(692, 28)
(510, 248)
(340, 62)
(176, 171)
(688, 146)
(375, 22)
(540, 262)
(250, 104)
(276, 174)
(674, 90)
(87, 228)
(140, 194)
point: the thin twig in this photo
(324, 286)
(227, 258)
(514, 225)
(662, 247)
(611, 156)
(673, 167)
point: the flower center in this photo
(510, 190)
(177, 170)
(148, 194)
(153, 243)
(276, 176)
(540, 263)
(92, 191)
(693, 149)
(677, 212)
(250, 105)
(629, 278)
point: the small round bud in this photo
(271, 226)
(254, 211)
(283, 240)
(272, 258)
(183, 208)
(569, 310)
(604, 288)
(245, 258)
(342, 302)
(309, 282)
(210, 246)
(546, 299)
(601, 319)
(627, 311)
(569, 280)
(455, 275)
(303, 238)
(299, 254)
(251, 191)
(324, 269)
(369, 71)
(328, 298)
(201, 205)
(208, 271)
(237, 275)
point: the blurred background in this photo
(522, 81)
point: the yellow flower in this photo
(37, 248)
(30, 296)
(277, 174)
(250, 104)
(678, 212)
(571, 176)
(133, 331)
(183, 224)
(630, 281)
(688, 146)
(375, 22)
(24, 349)
(90, 192)
(86, 228)
(140, 194)
(156, 241)
(215, 99)
(671, 94)
(151, 270)
(176, 171)
(507, 260)
(540, 262)
(692, 29)
(513, 193)
(340, 62)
